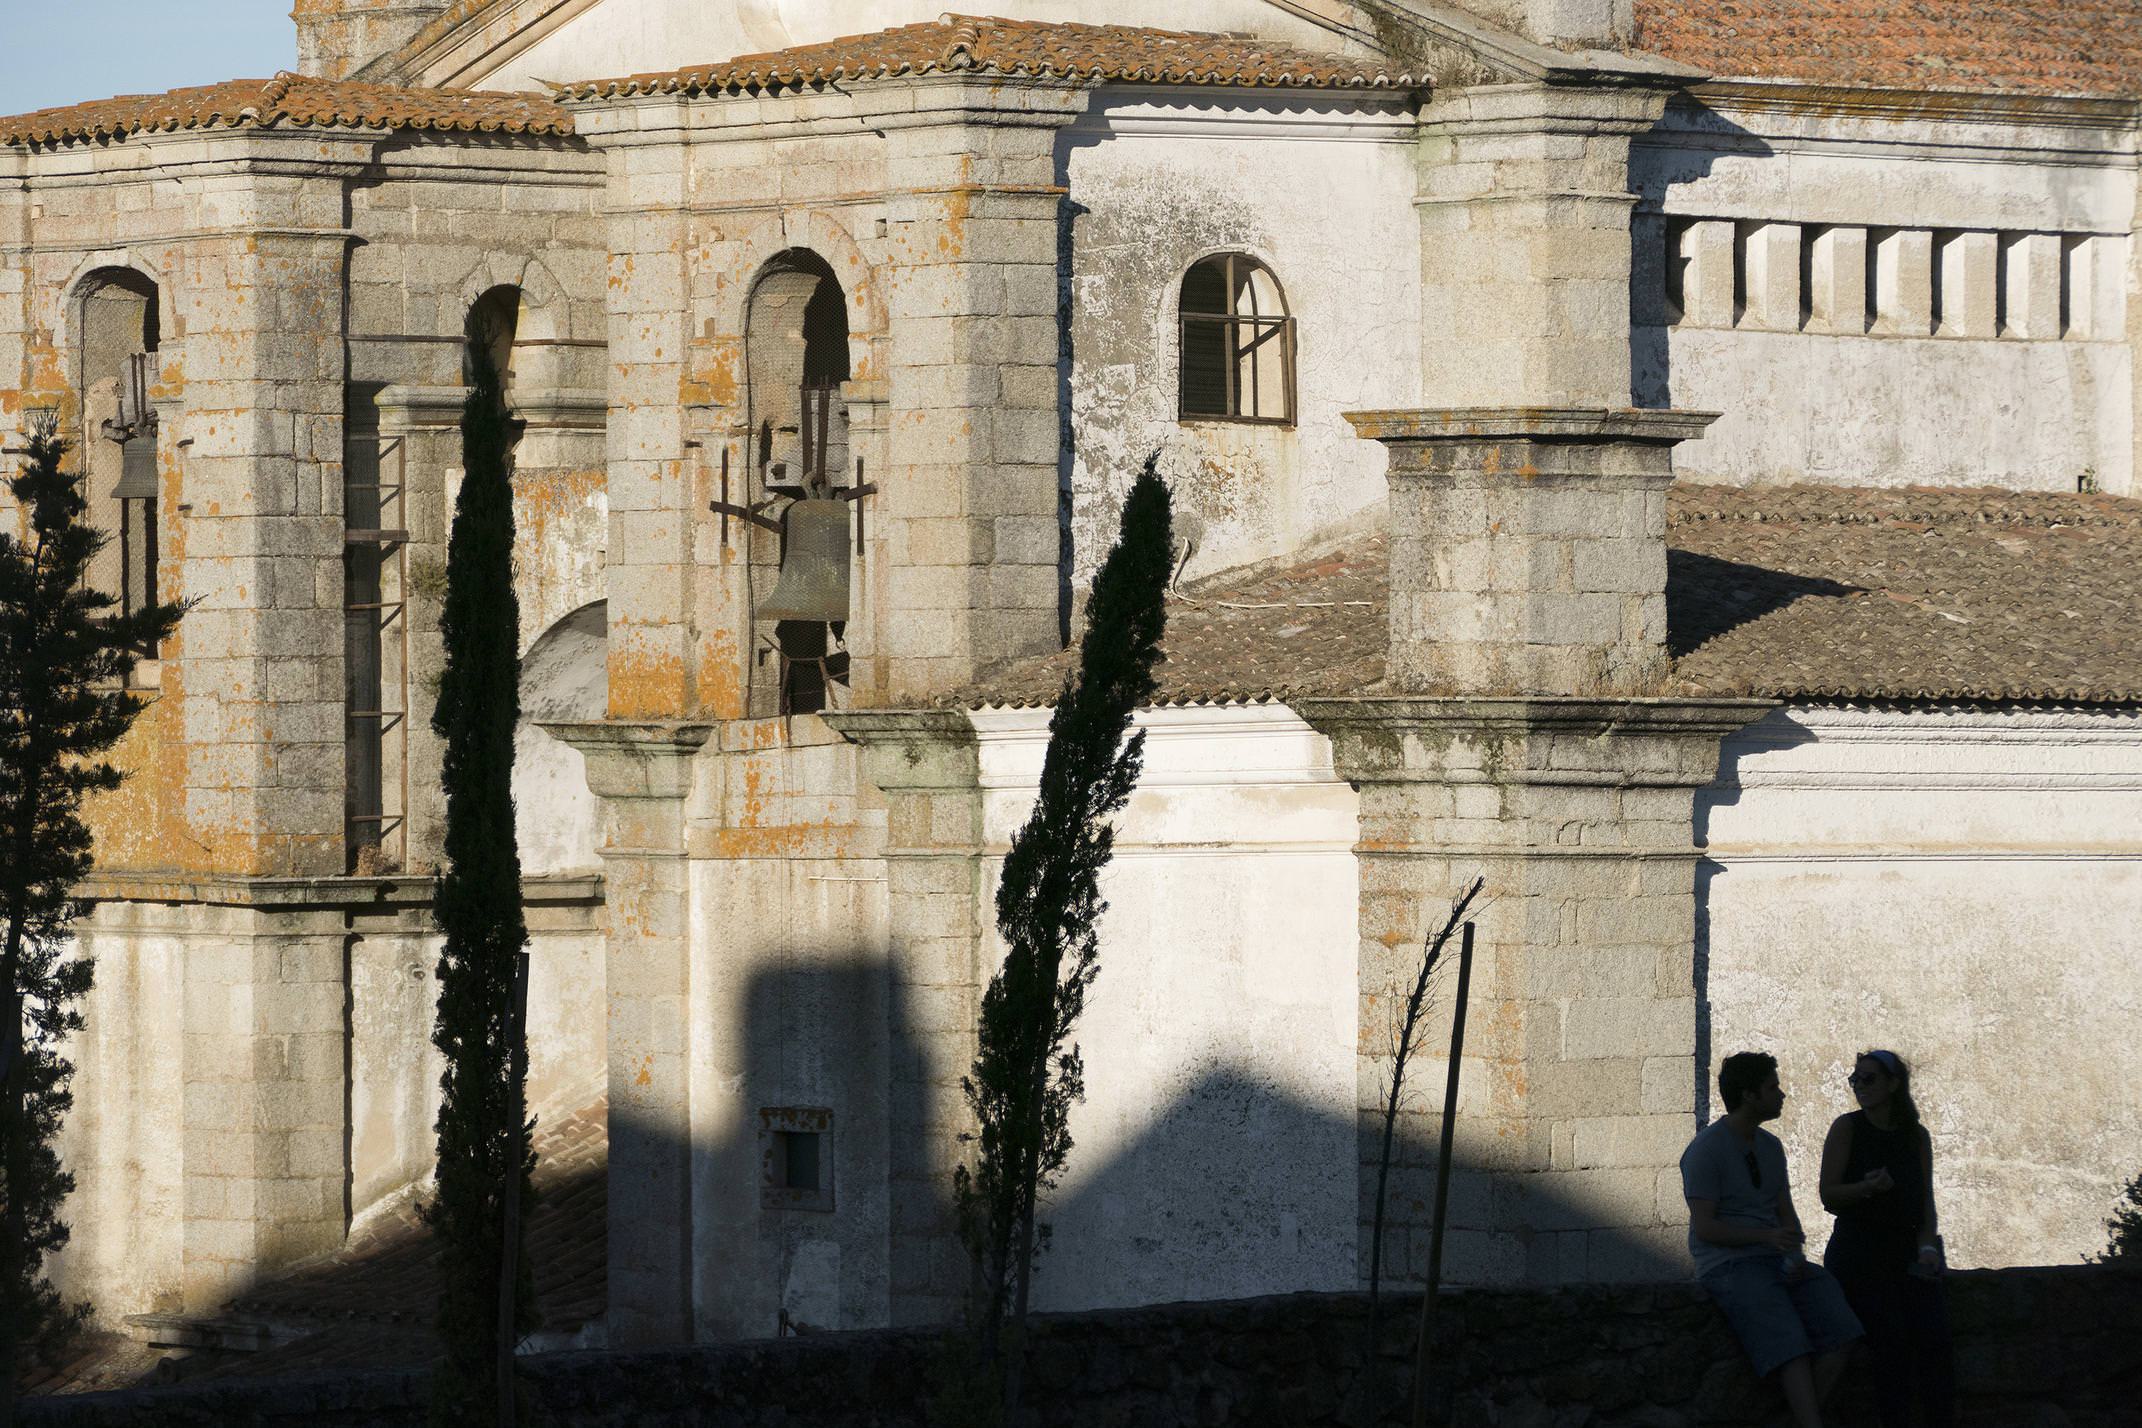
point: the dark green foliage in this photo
(2126, 1226)
(481, 1129)
(64, 661)
(1025, 1075)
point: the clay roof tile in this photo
(2024, 46)
(1799, 592)
(968, 43)
(290, 100)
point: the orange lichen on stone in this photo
(146, 824)
(543, 498)
(710, 373)
(646, 684)
(793, 840)
(721, 682)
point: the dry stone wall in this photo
(2050, 1348)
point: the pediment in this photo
(520, 44)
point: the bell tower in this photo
(337, 39)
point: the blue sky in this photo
(62, 51)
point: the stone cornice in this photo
(898, 726)
(913, 101)
(413, 408)
(1524, 58)
(1798, 97)
(1615, 743)
(1532, 713)
(1594, 424)
(1544, 107)
(632, 759)
(448, 58)
(385, 893)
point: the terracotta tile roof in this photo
(1791, 592)
(290, 100)
(2029, 46)
(965, 43)
(385, 1278)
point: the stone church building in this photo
(1673, 459)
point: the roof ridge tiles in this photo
(955, 44)
(301, 101)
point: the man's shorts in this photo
(1779, 1319)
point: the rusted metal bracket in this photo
(754, 513)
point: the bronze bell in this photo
(813, 584)
(137, 468)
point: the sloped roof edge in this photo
(957, 44)
(290, 100)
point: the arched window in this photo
(1237, 343)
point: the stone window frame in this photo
(776, 1123)
(1238, 269)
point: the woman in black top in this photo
(1878, 1180)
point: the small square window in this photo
(796, 1158)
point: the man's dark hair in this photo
(1742, 1072)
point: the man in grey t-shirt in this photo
(1745, 1236)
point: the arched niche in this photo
(795, 360)
(564, 678)
(119, 328)
(495, 323)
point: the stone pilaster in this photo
(928, 768)
(1579, 1086)
(970, 505)
(674, 650)
(1525, 241)
(1526, 746)
(1528, 547)
(645, 775)
(265, 1179)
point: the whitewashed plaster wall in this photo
(1993, 392)
(122, 1141)
(1964, 888)
(580, 40)
(564, 676)
(1321, 192)
(1215, 1150)
(394, 1069)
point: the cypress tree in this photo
(64, 661)
(1026, 1076)
(486, 1151)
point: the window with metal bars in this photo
(1237, 343)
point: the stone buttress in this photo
(1523, 740)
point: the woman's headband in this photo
(1890, 1062)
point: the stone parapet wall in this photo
(2033, 1346)
(1939, 292)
